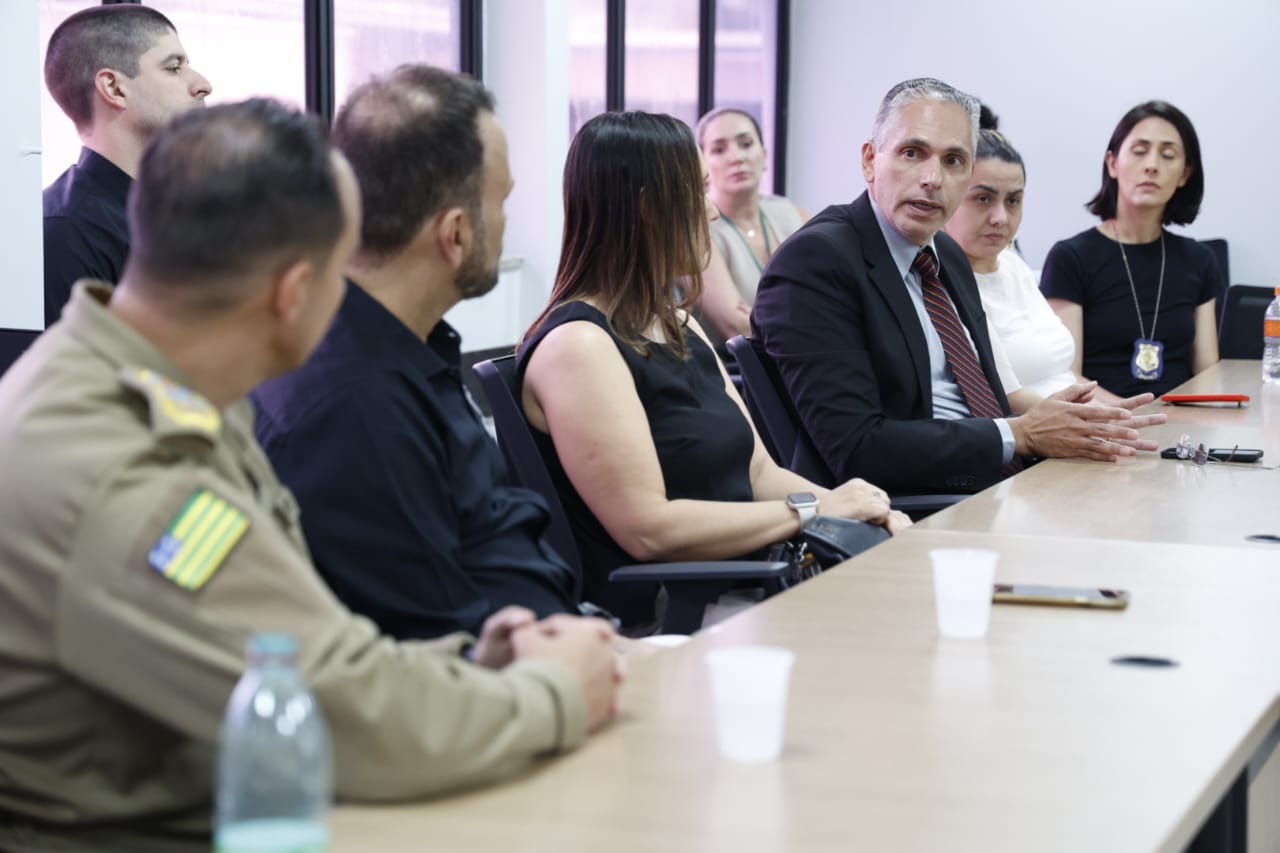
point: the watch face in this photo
(797, 499)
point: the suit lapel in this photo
(884, 276)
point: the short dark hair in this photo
(92, 39)
(1184, 206)
(223, 191)
(994, 145)
(413, 139)
(987, 119)
(635, 222)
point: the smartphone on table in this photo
(1060, 596)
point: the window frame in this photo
(318, 28)
(615, 71)
(318, 33)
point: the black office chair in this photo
(13, 343)
(774, 418)
(1241, 333)
(690, 586)
(1218, 247)
(779, 427)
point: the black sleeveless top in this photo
(704, 446)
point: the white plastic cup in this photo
(749, 686)
(962, 587)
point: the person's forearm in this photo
(702, 530)
(409, 721)
(775, 482)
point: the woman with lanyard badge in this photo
(1139, 300)
(750, 226)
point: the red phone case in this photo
(1202, 399)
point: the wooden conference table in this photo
(1147, 498)
(1029, 740)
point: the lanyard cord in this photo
(764, 227)
(1134, 290)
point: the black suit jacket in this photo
(835, 317)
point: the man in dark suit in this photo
(872, 317)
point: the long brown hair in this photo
(635, 224)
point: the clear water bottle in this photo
(275, 774)
(1271, 342)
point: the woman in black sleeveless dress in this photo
(651, 448)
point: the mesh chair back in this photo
(772, 415)
(1218, 247)
(1241, 332)
(12, 344)
(527, 468)
(779, 426)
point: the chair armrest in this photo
(918, 506)
(712, 570)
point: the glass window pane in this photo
(375, 36)
(587, 74)
(746, 36)
(59, 143)
(662, 58)
(244, 47)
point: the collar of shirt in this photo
(385, 334)
(113, 180)
(88, 318)
(948, 400)
(902, 250)
(397, 344)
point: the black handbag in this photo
(825, 542)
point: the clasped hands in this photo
(584, 646)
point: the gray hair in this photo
(923, 87)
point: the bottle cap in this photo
(270, 647)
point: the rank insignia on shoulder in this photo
(198, 540)
(173, 407)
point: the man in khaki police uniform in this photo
(145, 535)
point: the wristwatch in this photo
(805, 505)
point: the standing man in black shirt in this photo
(404, 495)
(119, 73)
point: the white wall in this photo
(495, 320)
(21, 290)
(526, 66)
(1059, 76)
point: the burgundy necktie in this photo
(961, 358)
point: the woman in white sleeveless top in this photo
(1038, 347)
(750, 226)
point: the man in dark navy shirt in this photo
(404, 496)
(120, 73)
